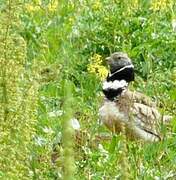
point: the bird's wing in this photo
(140, 98)
(147, 118)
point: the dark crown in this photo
(118, 60)
(121, 67)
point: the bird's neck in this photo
(124, 73)
(114, 89)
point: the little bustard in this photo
(122, 107)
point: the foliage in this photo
(46, 45)
(18, 99)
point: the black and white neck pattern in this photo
(124, 73)
(117, 82)
(113, 89)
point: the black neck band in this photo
(126, 74)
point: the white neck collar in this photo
(121, 69)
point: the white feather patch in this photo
(75, 123)
(114, 84)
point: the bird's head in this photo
(121, 73)
(121, 67)
(117, 61)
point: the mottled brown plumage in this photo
(136, 112)
(132, 110)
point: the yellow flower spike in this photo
(102, 72)
(159, 5)
(96, 67)
(97, 59)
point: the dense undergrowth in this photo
(52, 64)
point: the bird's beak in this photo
(108, 59)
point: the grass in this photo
(59, 41)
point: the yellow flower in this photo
(35, 6)
(96, 67)
(157, 5)
(102, 72)
(52, 6)
(32, 8)
(96, 59)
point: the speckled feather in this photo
(141, 120)
(123, 107)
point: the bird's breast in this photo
(112, 117)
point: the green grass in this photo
(60, 42)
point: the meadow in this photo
(52, 58)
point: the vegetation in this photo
(52, 64)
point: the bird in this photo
(125, 109)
